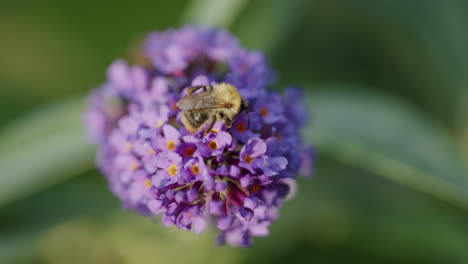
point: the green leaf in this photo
(345, 212)
(43, 148)
(22, 221)
(387, 136)
(426, 43)
(126, 238)
(332, 213)
(267, 24)
(220, 13)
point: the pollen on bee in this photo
(171, 145)
(172, 170)
(213, 145)
(195, 169)
(264, 111)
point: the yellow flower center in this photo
(264, 111)
(129, 146)
(151, 151)
(241, 127)
(171, 145)
(248, 159)
(172, 170)
(159, 124)
(195, 169)
(213, 145)
(135, 166)
(148, 183)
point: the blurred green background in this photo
(387, 86)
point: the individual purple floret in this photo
(236, 178)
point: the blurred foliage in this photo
(386, 136)
(52, 145)
(386, 87)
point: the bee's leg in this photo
(194, 89)
(207, 88)
(198, 87)
(213, 121)
(228, 122)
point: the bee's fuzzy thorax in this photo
(228, 93)
(218, 102)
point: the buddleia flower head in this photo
(237, 177)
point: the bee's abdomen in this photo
(193, 120)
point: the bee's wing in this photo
(200, 101)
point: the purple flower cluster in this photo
(236, 177)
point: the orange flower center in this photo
(189, 151)
(264, 111)
(278, 135)
(171, 145)
(256, 188)
(195, 169)
(172, 170)
(213, 145)
(248, 158)
(241, 127)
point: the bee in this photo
(219, 102)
